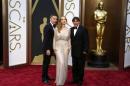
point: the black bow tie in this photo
(75, 27)
(54, 25)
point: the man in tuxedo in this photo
(48, 47)
(79, 43)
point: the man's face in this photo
(76, 23)
(53, 19)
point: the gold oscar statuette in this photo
(100, 16)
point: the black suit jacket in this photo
(48, 37)
(79, 42)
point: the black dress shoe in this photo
(80, 84)
(45, 81)
(73, 82)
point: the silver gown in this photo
(61, 45)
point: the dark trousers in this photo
(78, 64)
(45, 66)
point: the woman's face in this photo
(63, 20)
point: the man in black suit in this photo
(79, 43)
(48, 47)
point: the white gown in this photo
(61, 45)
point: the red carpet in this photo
(31, 76)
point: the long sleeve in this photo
(85, 40)
(54, 40)
(69, 41)
(46, 40)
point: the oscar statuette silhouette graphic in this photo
(42, 27)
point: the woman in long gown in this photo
(61, 45)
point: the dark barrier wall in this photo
(1, 34)
(43, 9)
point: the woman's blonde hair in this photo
(59, 26)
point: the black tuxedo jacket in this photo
(48, 37)
(79, 42)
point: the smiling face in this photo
(76, 21)
(53, 19)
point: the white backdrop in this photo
(127, 40)
(17, 31)
(71, 9)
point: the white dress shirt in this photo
(75, 30)
(52, 26)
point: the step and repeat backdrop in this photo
(41, 11)
(17, 32)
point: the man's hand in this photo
(48, 52)
(84, 52)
